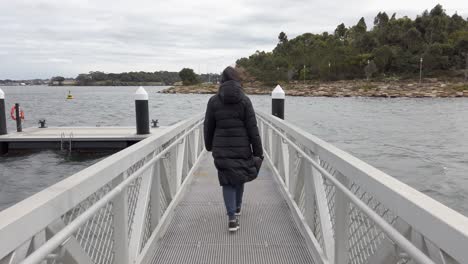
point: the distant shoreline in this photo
(431, 88)
(73, 85)
(109, 83)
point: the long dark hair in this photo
(230, 74)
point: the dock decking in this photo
(198, 231)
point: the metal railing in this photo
(355, 213)
(111, 212)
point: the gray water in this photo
(422, 142)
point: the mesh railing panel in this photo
(364, 236)
(148, 229)
(133, 191)
(164, 203)
(330, 192)
(317, 228)
(84, 205)
(95, 236)
(301, 201)
(132, 196)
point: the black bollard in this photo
(142, 112)
(19, 126)
(42, 123)
(3, 127)
(277, 102)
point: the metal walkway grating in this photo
(198, 232)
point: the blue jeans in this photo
(233, 199)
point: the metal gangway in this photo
(159, 201)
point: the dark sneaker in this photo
(233, 225)
(238, 212)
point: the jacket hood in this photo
(230, 92)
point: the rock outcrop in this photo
(429, 88)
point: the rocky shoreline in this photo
(429, 88)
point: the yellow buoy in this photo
(69, 96)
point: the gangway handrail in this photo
(111, 208)
(72, 227)
(343, 178)
(389, 230)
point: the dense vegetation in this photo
(188, 76)
(27, 82)
(127, 78)
(393, 47)
(58, 79)
(136, 78)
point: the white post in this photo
(142, 111)
(309, 189)
(341, 223)
(120, 211)
(274, 149)
(158, 169)
(277, 102)
(323, 211)
(181, 162)
(285, 162)
(169, 167)
(201, 141)
(293, 169)
(139, 220)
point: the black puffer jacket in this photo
(231, 132)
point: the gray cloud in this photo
(41, 38)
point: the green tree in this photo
(58, 79)
(413, 40)
(436, 57)
(438, 10)
(456, 23)
(383, 57)
(466, 67)
(188, 76)
(97, 76)
(282, 37)
(340, 31)
(381, 20)
(359, 36)
(361, 26)
(83, 79)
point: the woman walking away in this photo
(231, 132)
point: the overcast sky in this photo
(42, 38)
